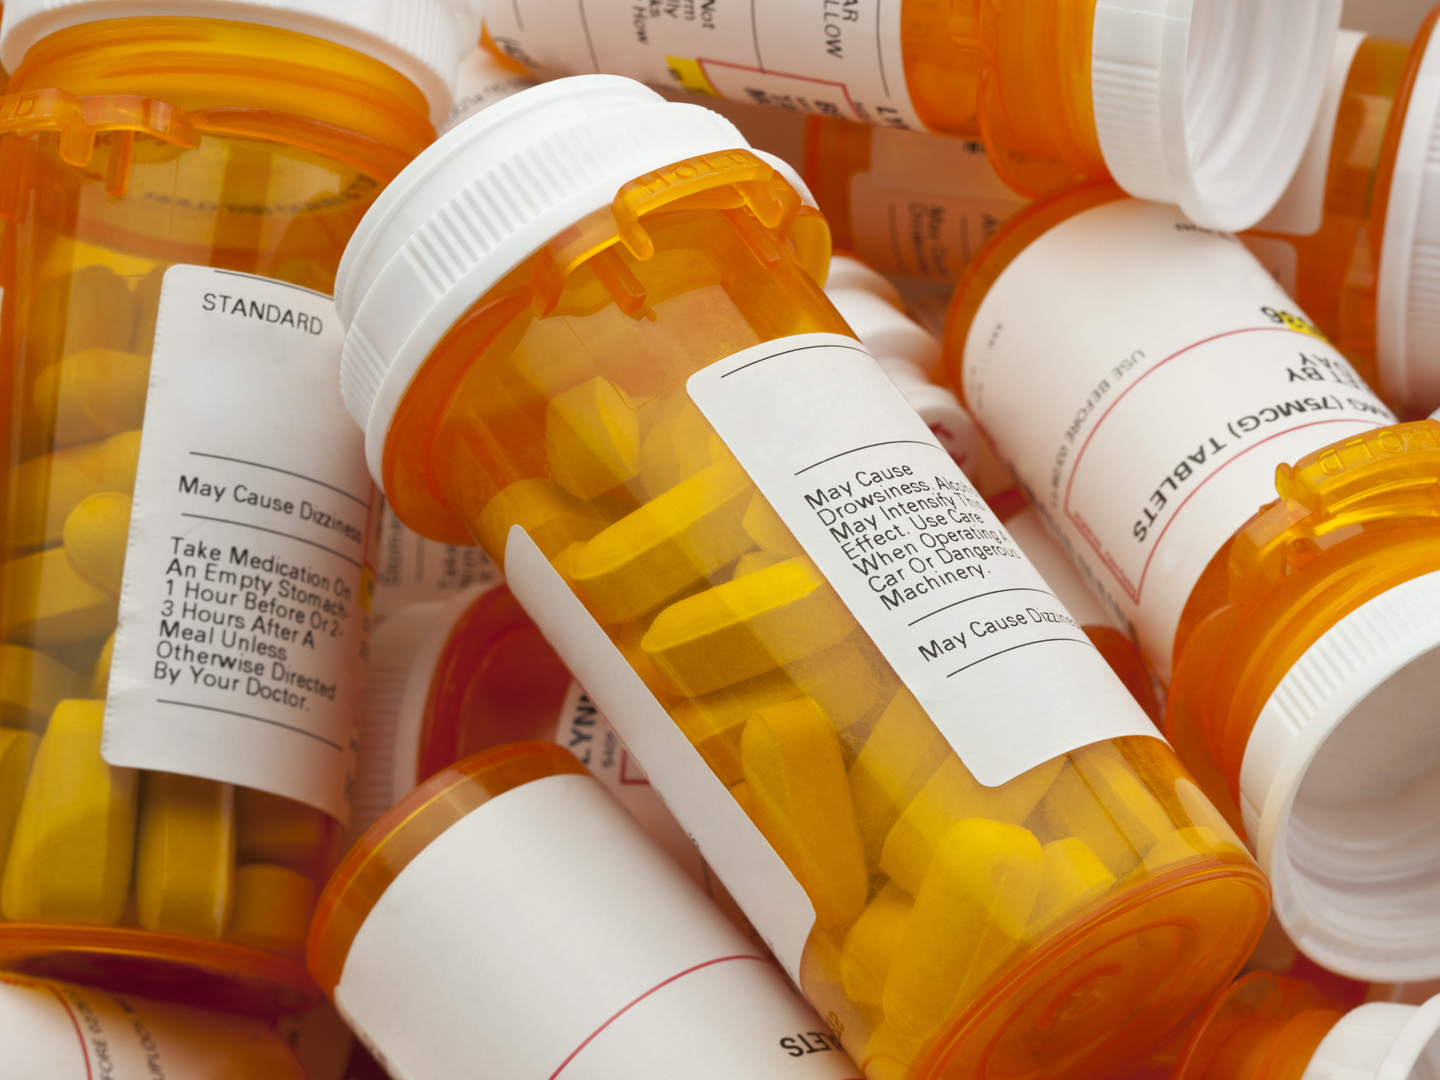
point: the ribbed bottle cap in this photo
(478, 202)
(1340, 789)
(1407, 302)
(1381, 1041)
(1209, 104)
(424, 40)
(404, 652)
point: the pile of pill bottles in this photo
(412, 570)
(1294, 640)
(171, 240)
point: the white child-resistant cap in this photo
(1340, 790)
(1209, 103)
(424, 40)
(1407, 302)
(479, 201)
(848, 272)
(1381, 1041)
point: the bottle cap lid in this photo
(1407, 300)
(481, 200)
(424, 40)
(1340, 790)
(884, 330)
(1381, 1041)
(848, 272)
(1209, 107)
(404, 652)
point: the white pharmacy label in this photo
(240, 653)
(1004, 671)
(412, 570)
(481, 82)
(544, 928)
(837, 58)
(1149, 438)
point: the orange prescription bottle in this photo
(1080, 87)
(1304, 635)
(412, 570)
(631, 391)
(183, 582)
(58, 1031)
(523, 911)
(1350, 238)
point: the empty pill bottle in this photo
(525, 912)
(183, 595)
(1350, 236)
(1303, 635)
(1090, 88)
(412, 570)
(61, 1031)
(718, 509)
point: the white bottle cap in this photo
(424, 40)
(1209, 103)
(1340, 790)
(1407, 302)
(479, 201)
(1380, 1041)
(848, 272)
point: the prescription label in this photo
(412, 570)
(838, 58)
(914, 552)
(479, 83)
(544, 928)
(1144, 377)
(240, 652)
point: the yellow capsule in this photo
(74, 840)
(754, 561)
(95, 536)
(592, 438)
(100, 677)
(1073, 877)
(747, 627)
(970, 915)
(901, 753)
(554, 519)
(675, 448)
(1100, 799)
(185, 858)
(800, 801)
(872, 943)
(667, 545)
(714, 723)
(272, 909)
(763, 525)
(16, 750)
(272, 829)
(47, 487)
(48, 603)
(93, 393)
(32, 683)
(950, 796)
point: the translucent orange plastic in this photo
(1263, 1027)
(125, 147)
(974, 976)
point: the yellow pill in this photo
(672, 542)
(715, 722)
(872, 943)
(675, 448)
(1099, 799)
(889, 1054)
(272, 909)
(747, 627)
(1185, 844)
(95, 536)
(272, 829)
(74, 839)
(969, 917)
(1073, 877)
(840, 679)
(100, 677)
(801, 803)
(754, 561)
(16, 750)
(741, 794)
(763, 525)
(185, 858)
(94, 393)
(47, 487)
(554, 519)
(31, 685)
(950, 796)
(899, 757)
(48, 603)
(592, 439)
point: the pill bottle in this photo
(483, 78)
(1303, 634)
(412, 570)
(60, 1031)
(1091, 88)
(321, 1041)
(1267, 1026)
(183, 607)
(524, 911)
(635, 397)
